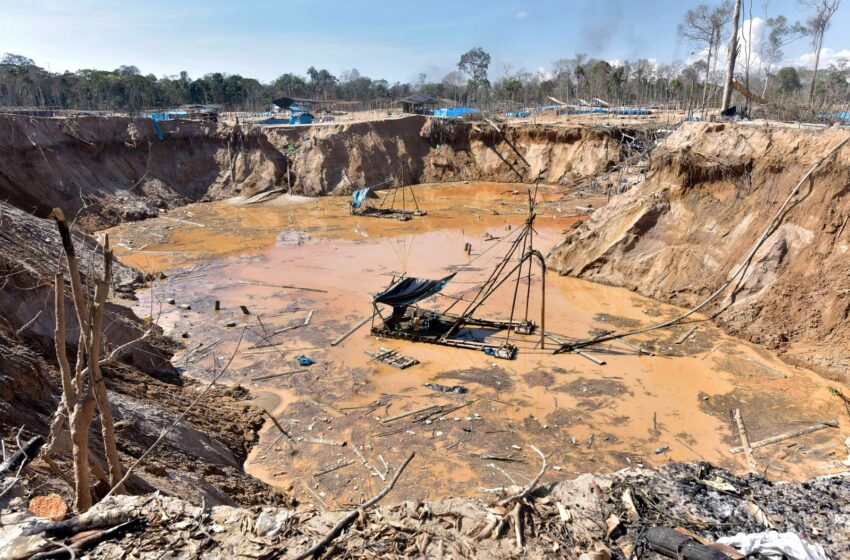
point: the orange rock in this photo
(52, 507)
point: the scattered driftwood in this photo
(353, 329)
(282, 286)
(409, 413)
(788, 435)
(745, 442)
(323, 441)
(352, 515)
(514, 515)
(686, 336)
(274, 375)
(366, 464)
(331, 468)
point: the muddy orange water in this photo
(306, 271)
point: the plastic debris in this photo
(775, 545)
(459, 389)
(305, 360)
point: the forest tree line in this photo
(706, 29)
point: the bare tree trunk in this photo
(707, 73)
(815, 74)
(88, 389)
(730, 59)
(81, 418)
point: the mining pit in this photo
(241, 251)
(634, 410)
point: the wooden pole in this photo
(788, 435)
(745, 441)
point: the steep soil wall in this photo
(109, 170)
(711, 191)
(115, 169)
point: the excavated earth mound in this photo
(710, 192)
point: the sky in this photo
(392, 40)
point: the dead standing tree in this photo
(703, 26)
(85, 390)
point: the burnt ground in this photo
(590, 513)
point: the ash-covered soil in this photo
(603, 512)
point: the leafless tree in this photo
(731, 57)
(84, 389)
(703, 26)
(818, 23)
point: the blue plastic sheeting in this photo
(301, 118)
(273, 121)
(518, 114)
(158, 130)
(455, 112)
(358, 196)
(166, 115)
(842, 116)
(305, 360)
(409, 290)
(604, 111)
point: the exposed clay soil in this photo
(110, 170)
(710, 192)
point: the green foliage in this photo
(788, 80)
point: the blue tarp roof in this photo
(408, 291)
(455, 112)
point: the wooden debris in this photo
(323, 441)
(309, 317)
(788, 435)
(274, 375)
(281, 286)
(331, 468)
(590, 357)
(392, 358)
(353, 329)
(745, 441)
(409, 413)
(686, 336)
(352, 515)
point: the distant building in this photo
(419, 104)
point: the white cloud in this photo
(522, 14)
(542, 74)
(827, 56)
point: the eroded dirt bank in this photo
(111, 170)
(710, 192)
(202, 458)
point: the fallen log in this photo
(282, 286)
(788, 435)
(353, 329)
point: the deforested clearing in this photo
(599, 312)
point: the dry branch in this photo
(354, 514)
